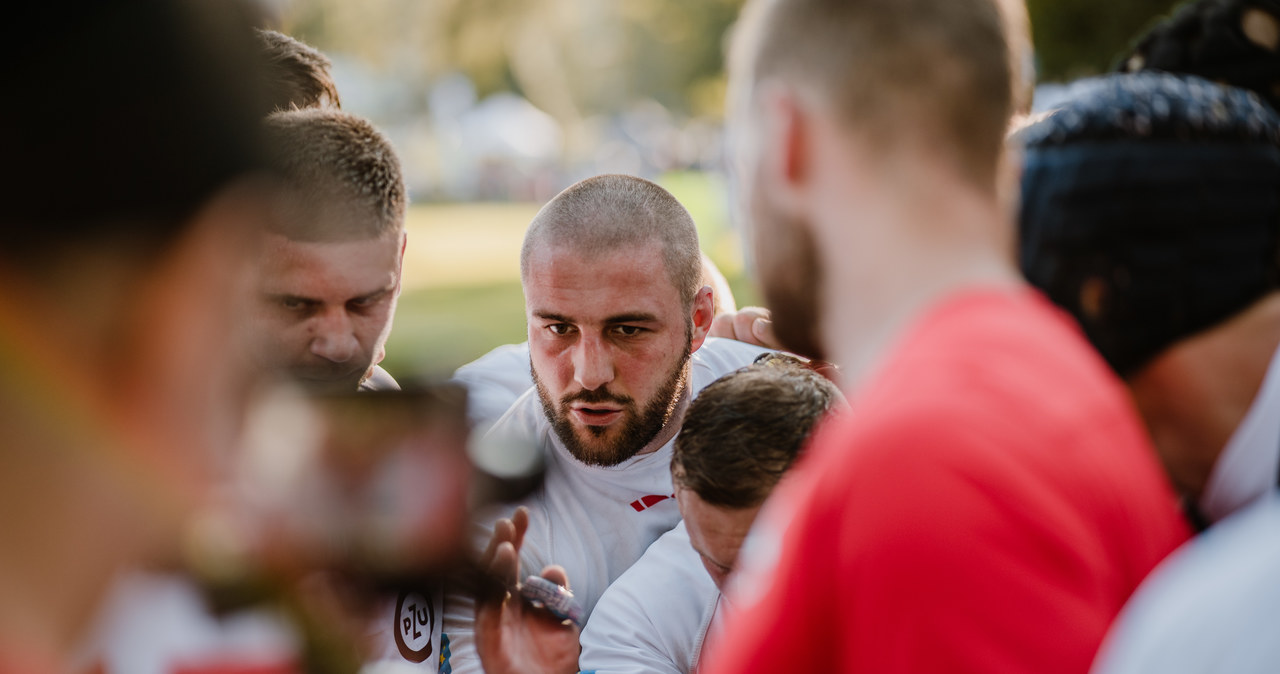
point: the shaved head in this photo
(608, 213)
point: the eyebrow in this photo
(373, 295)
(637, 317)
(280, 297)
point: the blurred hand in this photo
(512, 636)
(753, 325)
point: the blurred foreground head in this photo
(845, 109)
(1149, 211)
(128, 133)
(1235, 42)
(740, 435)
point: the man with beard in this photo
(992, 500)
(618, 318)
(738, 440)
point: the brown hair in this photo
(745, 429)
(609, 212)
(297, 74)
(333, 159)
(934, 70)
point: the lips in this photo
(595, 415)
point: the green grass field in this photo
(462, 293)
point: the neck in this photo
(1195, 394)
(893, 249)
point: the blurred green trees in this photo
(1083, 37)
(576, 58)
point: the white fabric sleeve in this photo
(621, 639)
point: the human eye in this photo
(560, 329)
(293, 303)
(628, 330)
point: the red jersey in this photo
(988, 506)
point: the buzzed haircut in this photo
(745, 429)
(933, 71)
(336, 162)
(614, 212)
(296, 73)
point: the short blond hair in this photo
(332, 158)
(934, 70)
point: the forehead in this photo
(588, 285)
(308, 268)
(710, 525)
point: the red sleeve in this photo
(924, 549)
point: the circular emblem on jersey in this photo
(415, 621)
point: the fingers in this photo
(520, 520)
(504, 531)
(722, 326)
(762, 330)
(556, 574)
(752, 325)
(507, 530)
(506, 565)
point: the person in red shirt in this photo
(993, 499)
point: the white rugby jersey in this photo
(594, 521)
(654, 618)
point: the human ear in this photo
(786, 157)
(703, 314)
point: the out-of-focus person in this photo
(993, 499)
(1150, 212)
(1235, 42)
(125, 221)
(754, 325)
(739, 438)
(1212, 606)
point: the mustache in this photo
(600, 395)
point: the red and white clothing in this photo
(989, 506)
(592, 520)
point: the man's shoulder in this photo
(654, 616)
(1217, 594)
(668, 571)
(494, 381)
(719, 356)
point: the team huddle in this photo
(1011, 368)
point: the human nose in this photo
(334, 339)
(592, 363)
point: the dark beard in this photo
(790, 276)
(637, 430)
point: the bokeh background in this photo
(494, 106)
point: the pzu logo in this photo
(415, 620)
